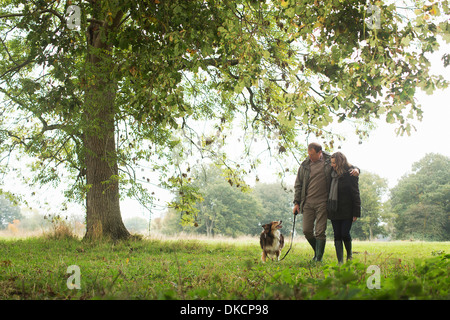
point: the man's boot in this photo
(348, 248)
(312, 242)
(320, 248)
(339, 251)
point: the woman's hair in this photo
(342, 164)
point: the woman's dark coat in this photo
(349, 201)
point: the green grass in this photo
(36, 268)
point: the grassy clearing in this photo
(36, 268)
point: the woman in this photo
(344, 204)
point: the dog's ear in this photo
(266, 228)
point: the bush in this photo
(60, 230)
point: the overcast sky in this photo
(382, 153)
(392, 156)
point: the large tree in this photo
(226, 210)
(420, 200)
(8, 212)
(126, 82)
(371, 188)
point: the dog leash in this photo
(292, 238)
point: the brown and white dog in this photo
(271, 240)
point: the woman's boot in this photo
(348, 248)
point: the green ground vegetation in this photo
(37, 268)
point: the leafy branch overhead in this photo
(144, 74)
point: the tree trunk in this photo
(103, 217)
(209, 227)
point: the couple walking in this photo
(327, 187)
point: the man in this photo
(310, 197)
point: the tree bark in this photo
(209, 227)
(103, 216)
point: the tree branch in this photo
(215, 62)
(17, 67)
(52, 11)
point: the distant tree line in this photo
(420, 202)
(227, 210)
(417, 207)
(8, 212)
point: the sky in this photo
(382, 153)
(391, 156)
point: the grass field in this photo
(37, 268)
